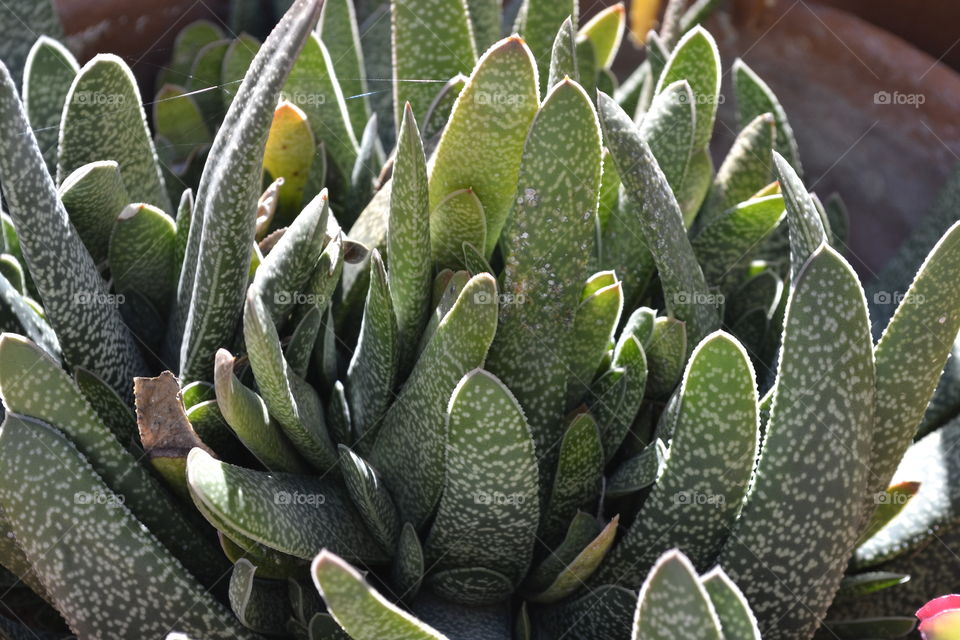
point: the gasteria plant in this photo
(433, 382)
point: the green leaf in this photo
(696, 60)
(409, 450)
(289, 154)
(104, 120)
(754, 98)
(485, 19)
(911, 355)
(373, 367)
(187, 45)
(408, 239)
(487, 622)
(568, 568)
(736, 619)
(615, 418)
(605, 613)
(313, 86)
(799, 506)
(605, 32)
(596, 319)
(204, 82)
(538, 22)
(500, 99)
(338, 415)
(47, 75)
(300, 347)
(440, 109)
(578, 477)
(806, 225)
(733, 235)
(17, 316)
(563, 56)
(470, 586)
(489, 511)
(638, 472)
(546, 245)
(142, 254)
(669, 127)
(889, 504)
(338, 30)
(48, 394)
(666, 352)
(359, 609)
(697, 498)
(236, 61)
(246, 413)
(863, 584)
(75, 300)
(178, 119)
(94, 196)
(294, 514)
(685, 290)
(69, 521)
(289, 398)
(408, 564)
(115, 414)
(371, 498)
(215, 269)
(441, 48)
(22, 20)
(887, 627)
(261, 605)
(746, 169)
(456, 219)
(696, 184)
(672, 599)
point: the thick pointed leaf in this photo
(546, 246)
(371, 498)
(638, 472)
(295, 514)
(696, 60)
(669, 127)
(563, 56)
(104, 120)
(216, 265)
(568, 568)
(409, 451)
(289, 155)
(408, 564)
(889, 504)
(94, 196)
(500, 99)
(685, 290)
(204, 80)
(408, 239)
(47, 75)
(488, 514)
(17, 316)
(712, 453)
(236, 62)
(666, 351)
(862, 584)
(827, 355)
(178, 119)
(359, 609)
(754, 98)
(260, 605)
(485, 19)
(672, 598)
(806, 225)
(456, 219)
(431, 39)
(605, 32)
(143, 253)
(596, 320)
(538, 22)
(736, 619)
(76, 304)
(69, 522)
(339, 32)
(614, 416)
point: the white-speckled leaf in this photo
(605, 613)
(911, 355)
(746, 169)
(754, 98)
(47, 75)
(296, 514)
(563, 56)
(94, 196)
(614, 418)
(261, 605)
(104, 120)
(109, 577)
(804, 507)
(359, 609)
(500, 99)
(567, 568)
(18, 316)
(605, 33)
(408, 564)
(696, 60)
(672, 601)
(638, 472)
(666, 351)
(408, 239)
(736, 620)
(431, 39)
(456, 219)
(546, 246)
(409, 451)
(339, 32)
(697, 498)
(216, 266)
(489, 511)
(75, 300)
(593, 326)
(669, 127)
(806, 224)
(538, 22)
(142, 254)
(371, 498)
(685, 290)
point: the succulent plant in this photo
(540, 371)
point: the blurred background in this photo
(871, 86)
